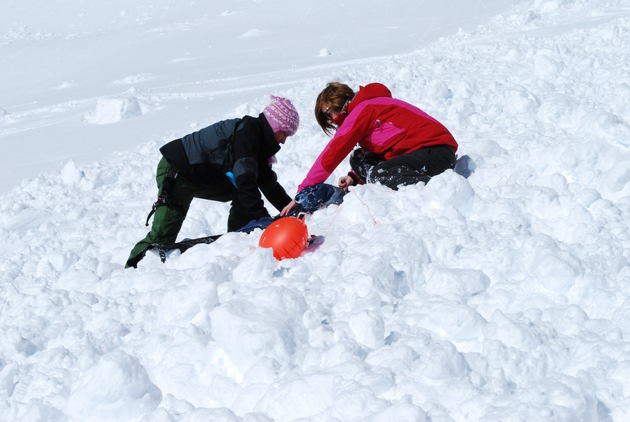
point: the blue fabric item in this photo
(261, 223)
(312, 198)
(230, 176)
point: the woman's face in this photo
(330, 113)
(281, 137)
(334, 117)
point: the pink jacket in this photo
(381, 124)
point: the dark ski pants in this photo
(406, 169)
(168, 219)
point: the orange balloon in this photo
(286, 236)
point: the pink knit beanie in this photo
(282, 116)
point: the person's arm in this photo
(356, 126)
(245, 147)
(345, 182)
(273, 191)
(333, 154)
(286, 210)
(351, 179)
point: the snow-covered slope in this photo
(155, 68)
(501, 296)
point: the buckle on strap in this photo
(165, 191)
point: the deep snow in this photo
(501, 296)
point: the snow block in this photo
(117, 387)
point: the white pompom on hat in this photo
(282, 116)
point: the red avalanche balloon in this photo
(286, 236)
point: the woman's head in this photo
(331, 104)
(282, 116)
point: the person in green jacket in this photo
(228, 161)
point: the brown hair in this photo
(335, 97)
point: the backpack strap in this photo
(229, 160)
(164, 196)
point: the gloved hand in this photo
(261, 223)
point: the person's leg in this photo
(414, 167)
(222, 190)
(168, 218)
(363, 161)
(237, 217)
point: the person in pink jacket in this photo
(399, 144)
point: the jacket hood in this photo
(367, 92)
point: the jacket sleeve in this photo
(246, 145)
(354, 128)
(273, 190)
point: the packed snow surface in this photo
(497, 292)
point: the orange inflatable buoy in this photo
(287, 237)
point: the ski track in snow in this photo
(503, 296)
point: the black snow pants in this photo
(406, 169)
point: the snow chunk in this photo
(546, 68)
(291, 399)
(134, 79)
(65, 85)
(70, 174)
(252, 33)
(270, 328)
(554, 268)
(618, 178)
(402, 411)
(458, 323)
(116, 388)
(113, 110)
(456, 283)
(449, 189)
(368, 328)
(324, 52)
